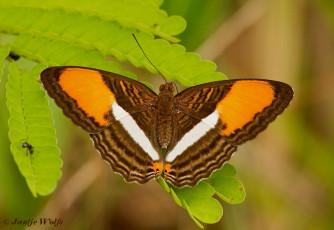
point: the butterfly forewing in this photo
(245, 107)
(86, 95)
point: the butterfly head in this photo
(165, 101)
(167, 88)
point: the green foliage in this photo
(63, 32)
(30, 122)
(109, 38)
(226, 186)
(208, 16)
(4, 51)
(142, 15)
(198, 201)
(53, 54)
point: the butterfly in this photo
(182, 137)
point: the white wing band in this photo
(134, 130)
(193, 135)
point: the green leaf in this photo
(229, 189)
(51, 53)
(185, 206)
(199, 201)
(140, 15)
(30, 121)
(226, 186)
(173, 25)
(4, 51)
(92, 33)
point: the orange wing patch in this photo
(90, 92)
(242, 102)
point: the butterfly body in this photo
(199, 128)
(165, 112)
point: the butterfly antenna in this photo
(148, 58)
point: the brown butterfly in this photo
(197, 129)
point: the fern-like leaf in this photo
(140, 15)
(55, 53)
(111, 38)
(4, 51)
(30, 123)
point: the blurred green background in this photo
(287, 171)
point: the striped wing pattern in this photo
(124, 155)
(210, 151)
(199, 160)
(209, 121)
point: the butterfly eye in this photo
(171, 87)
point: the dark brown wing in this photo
(117, 112)
(213, 118)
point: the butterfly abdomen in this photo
(164, 130)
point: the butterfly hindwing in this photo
(198, 161)
(125, 156)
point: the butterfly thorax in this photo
(165, 108)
